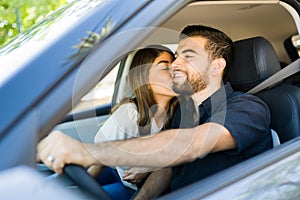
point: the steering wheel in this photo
(85, 182)
(79, 176)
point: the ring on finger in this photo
(50, 158)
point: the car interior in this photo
(239, 20)
(256, 58)
(261, 50)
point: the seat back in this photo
(255, 61)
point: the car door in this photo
(49, 68)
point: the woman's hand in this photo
(136, 174)
(58, 149)
(134, 178)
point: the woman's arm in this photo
(156, 183)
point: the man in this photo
(231, 127)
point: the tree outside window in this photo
(16, 16)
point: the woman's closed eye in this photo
(167, 68)
(164, 66)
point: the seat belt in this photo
(289, 70)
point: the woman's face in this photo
(160, 77)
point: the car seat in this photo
(255, 61)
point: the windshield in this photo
(50, 50)
(54, 28)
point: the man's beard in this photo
(193, 84)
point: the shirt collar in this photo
(217, 99)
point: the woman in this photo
(148, 111)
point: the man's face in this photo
(191, 66)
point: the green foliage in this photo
(17, 15)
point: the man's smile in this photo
(178, 74)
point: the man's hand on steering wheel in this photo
(58, 149)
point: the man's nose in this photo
(176, 63)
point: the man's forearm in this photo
(156, 183)
(160, 150)
(168, 148)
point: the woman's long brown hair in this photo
(138, 79)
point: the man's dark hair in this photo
(218, 45)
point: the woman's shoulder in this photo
(122, 124)
(127, 109)
(130, 106)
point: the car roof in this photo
(242, 19)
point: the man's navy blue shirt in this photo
(245, 116)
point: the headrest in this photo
(254, 61)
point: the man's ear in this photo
(219, 66)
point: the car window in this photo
(51, 50)
(101, 94)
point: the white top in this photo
(122, 125)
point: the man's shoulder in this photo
(239, 95)
(246, 98)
